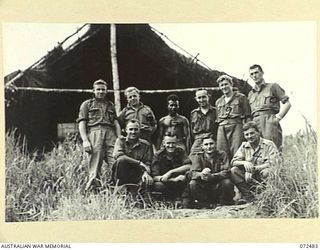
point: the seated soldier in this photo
(133, 157)
(169, 167)
(252, 161)
(209, 178)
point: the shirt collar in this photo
(162, 152)
(141, 105)
(210, 108)
(137, 144)
(261, 143)
(257, 88)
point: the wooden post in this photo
(114, 64)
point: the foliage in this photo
(50, 186)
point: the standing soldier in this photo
(203, 121)
(174, 124)
(264, 100)
(137, 110)
(99, 128)
(233, 110)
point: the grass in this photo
(50, 186)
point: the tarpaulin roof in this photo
(144, 60)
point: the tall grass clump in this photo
(34, 186)
(292, 189)
(51, 187)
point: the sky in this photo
(285, 50)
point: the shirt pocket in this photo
(147, 118)
(221, 110)
(195, 123)
(111, 116)
(235, 107)
(94, 114)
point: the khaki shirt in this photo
(266, 98)
(266, 152)
(161, 164)
(97, 113)
(141, 151)
(203, 123)
(237, 107)
(220, 162)
(143, 114)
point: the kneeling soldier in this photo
(252, 161)
(169, 167)
(133, 157)
(209, 177)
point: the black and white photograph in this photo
(143, 121)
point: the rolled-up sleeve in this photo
(83, 112)
(279, 93)
(273, 154)
(196, 167)
(224, 161)
(239, 155)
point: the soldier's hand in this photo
(146, 178)
(146, 167)
(181, 178)
(206, 171)
(165, 177)
(205, 176)
(248, 177)
(224, 173)
(249, 167)
(87, 146)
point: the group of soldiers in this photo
(234, 144)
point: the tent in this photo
(145, 60)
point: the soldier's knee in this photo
(226, 183)
(234, 170)
(158, 186)
(193, 184)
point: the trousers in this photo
(214, 192)
(229, 138)
(102, 139)
(270, 129)
(169, 189)
(126, 173)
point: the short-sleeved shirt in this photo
(141, 151)
(266, 98)
(97, 113)
(266, 152)
(143, 114)
(237, 107)
(219, 162)
(203, 123)
(161, 164)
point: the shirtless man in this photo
(174, 124)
